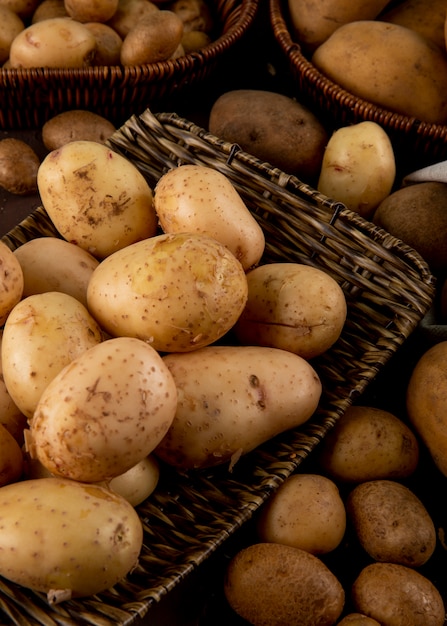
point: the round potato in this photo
(397, 595)
(154, 38)
(294, 307)
(75, 125)
(368, 443)
(137, 484)
(391, 523)
(19, 165)
(10, 26)
(306, 512)
(11, 281)
(269, 583)
(88, 11)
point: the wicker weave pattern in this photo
(388, 289)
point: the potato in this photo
(426, 399)
(416, 214)
(108, 44)
(232, 399)
(368, 443)
(138, 482)
(23, 8)
(43, 333)
(178, 292)
(312, 22)
(11, 417)
(48, 9)
(129, 13)
(358, 167)
(268, 583)
(11, 281)
(388, 65)
(76, 125)
(270, 126)
(55, 42)
(194, 40)
(196, 198)
(10, 26)
(305, 512)
(52, 264)
(67, 539)
(153, 39)
(19, 164)
(88, 11)
(195, 15)
(391, 523)
(426, 17)
(397, 595)
(104, 412)
(11, 458)
(294, 307)
(358, 619)
(95, 197)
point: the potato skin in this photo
(11, 282)
(426, 17)
(19, 165)
(75, 125)
(358, 619)
(154, 38)
(268, 583)
(11, 458)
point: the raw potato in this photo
(42, 334)
(246, 396)
(11, 458)
(196, 198)
(391, 523)
(358, 167)
(95, 197)
(388, 65)
(313, 21)
(195, 15)
(270, 126)
(129, 13)
(48, 9)
(305, 512)
(358, 619)
(104, 412)
(368, 443)
(11, 282)
(11, 417)
(108, 43)
(137, 484)
(194, 40)
(19, 165)
(23, 8)
(52, 264)
(56, 42)
(155, 38)
(10, 26)
(426, 401)
(178, 292)
(426, 17)
(397, 595)
(268, 583)
(88, 11)
(67, 539)
(75, 125)
(294, 307)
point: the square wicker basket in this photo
(29, 97)
(388, 288)
(416, 143)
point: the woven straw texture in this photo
(29, 97)
(388, 288)
(416, 143)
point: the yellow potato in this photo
(196, 198)
(75, 125)
(108, 43)
(137, 484)
(11, 458)
(129, 13)
(294, 307)
(104, 412)
(358, 619)
(358, 167)
(153, 39)
(88, 11)
(95, 197)
(178, 291)
(305, 512)
(10, 26)
(232, 399)
(426, 17)
(11, 417)
(48, 9)
(11, 281)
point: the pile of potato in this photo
(80, 33)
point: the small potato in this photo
(108, 44)
(369, 443)
(11, 417)
(55, 42)
(48, 9)
(391, 523)
(52, 264)
(88, 11)
(397, 595)
(129, 13)
(95, 197)
(154, 38)
(11, 281)
(269, 583)
(43, 333)
(10, 26)
(195, 15)
(194, 40)
(121, 402)
(358, 619)
(66, 539)
(358, 167)
(196, 198)
(306, 512)
(75, 125)
(11, 458)
(23, 8)
(137, 484)
(294, 307)
(19, 165)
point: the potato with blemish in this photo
(11, 281)
(19, 165)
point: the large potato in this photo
(104, 412)
(272, 584)
(389, 65)
(95, 197)
(178, 291)
(232, 399)
(294, 307)
(43, 333)
(196, 198)
(67, 539)
(11, 281)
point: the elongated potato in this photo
(232, 399)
